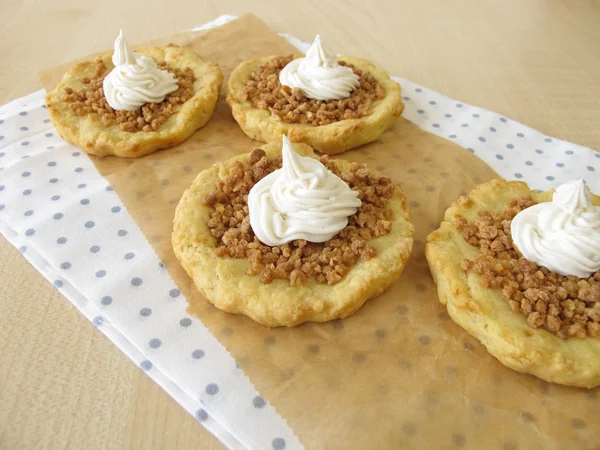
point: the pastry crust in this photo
(484, 313)
(334, 138)
(93, 137)
(225, 283)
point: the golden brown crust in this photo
(93, 137)
(484, 313)
(225, 283)
(331, 139)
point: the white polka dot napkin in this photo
(67, 221)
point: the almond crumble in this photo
(298, 260)
(150, 117)
(567, 306)
(291, 105)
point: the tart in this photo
(265, 109)
(289, 284)
(531, 319)
(82, 116)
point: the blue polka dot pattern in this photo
(197, 354)
(99, 320)
(278, 444)
(201, 415)
(212, 389)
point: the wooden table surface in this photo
(62, 384)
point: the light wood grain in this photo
(63, 385)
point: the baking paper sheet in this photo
(399, 373)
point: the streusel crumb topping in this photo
(150, 117)
(567, 306)
(299, 260)
(266, 92)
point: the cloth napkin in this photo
(67, 221)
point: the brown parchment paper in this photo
(397, 374)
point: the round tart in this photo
(264, 121)
(288, 293)
(527, 329)
(100, 132)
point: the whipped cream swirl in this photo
(319, 75)
(562, 235)
(302, 200)
(135, 80)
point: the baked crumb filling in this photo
(298, 260)
(91, 101)
(265, 91)
(567, 306)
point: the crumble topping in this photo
(298, 260)
(567, 306)
(291, 105)
(91, 101)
